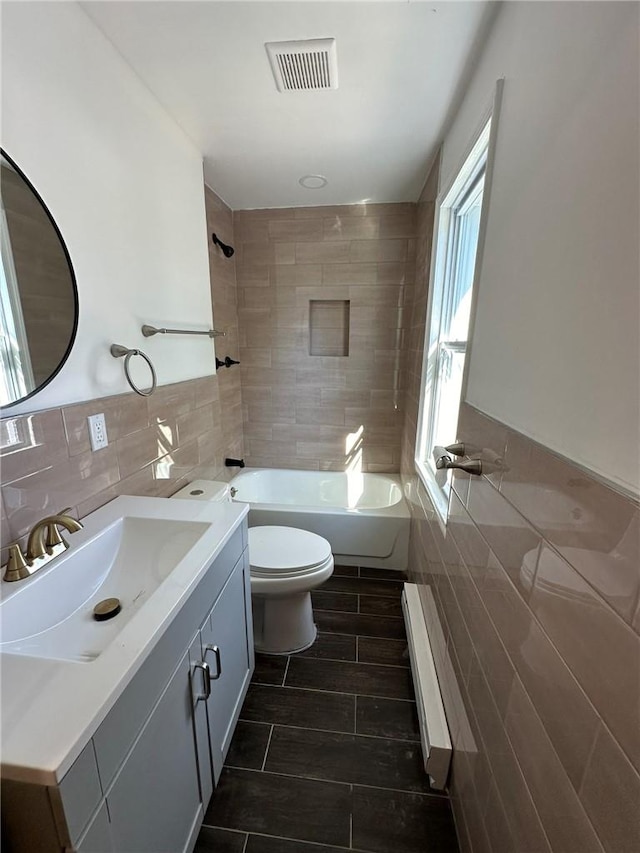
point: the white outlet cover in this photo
(98, 431)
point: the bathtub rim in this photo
(397, 510)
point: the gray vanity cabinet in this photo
(230, 659)
(143, 781)
(155, 802)
(97, 838)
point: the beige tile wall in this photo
(157, 444)
(323, 412)
(225, 317)
(536, 583)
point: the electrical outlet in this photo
(97, 431)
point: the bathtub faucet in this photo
(234, 463)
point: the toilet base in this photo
(283, 625)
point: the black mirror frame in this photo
(76, 302)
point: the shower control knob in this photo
(473, 466)
(228, 361)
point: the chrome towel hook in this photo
(118, 351)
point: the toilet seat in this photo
(286, 552)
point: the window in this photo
(456, 239)
(16, 375)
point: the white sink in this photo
(50, 615)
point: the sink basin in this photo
(50, 615)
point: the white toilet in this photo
(286, 564)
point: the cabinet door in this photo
(225, 648)
(155, 802)
(199, 691)
(97, 838)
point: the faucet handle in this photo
(473, 466)
(17, 567)
(53, 538)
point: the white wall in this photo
(125, 187)
(556, 350)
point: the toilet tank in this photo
(205, 490)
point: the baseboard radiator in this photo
(434, 732)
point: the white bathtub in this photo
(363, 516)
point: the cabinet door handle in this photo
(206, 670)
(216, 652)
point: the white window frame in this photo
(17, 378)
(480, 150)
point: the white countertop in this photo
(49, 709)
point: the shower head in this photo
(227, 251)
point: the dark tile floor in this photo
(326, 755)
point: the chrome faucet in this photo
(40, 549)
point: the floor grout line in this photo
(359, 613)
(365, 594)
(335, 692)
(340, 634)
(361, 662)
(340, 660)
(404, 740)
(321, 845)
(286, 670)
(266, 752)
(351, 819)
(339, 692)
(435, 795)
(270, 777)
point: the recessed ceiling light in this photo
(313, 182)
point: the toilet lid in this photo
(286, 549)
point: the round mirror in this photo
(38, 294)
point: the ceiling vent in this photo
(304, 66)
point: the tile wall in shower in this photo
(323, 412)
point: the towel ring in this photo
(118, 351)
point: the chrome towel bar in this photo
(148, 331)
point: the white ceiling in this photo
(400, 68)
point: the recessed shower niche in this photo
(329, 326)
